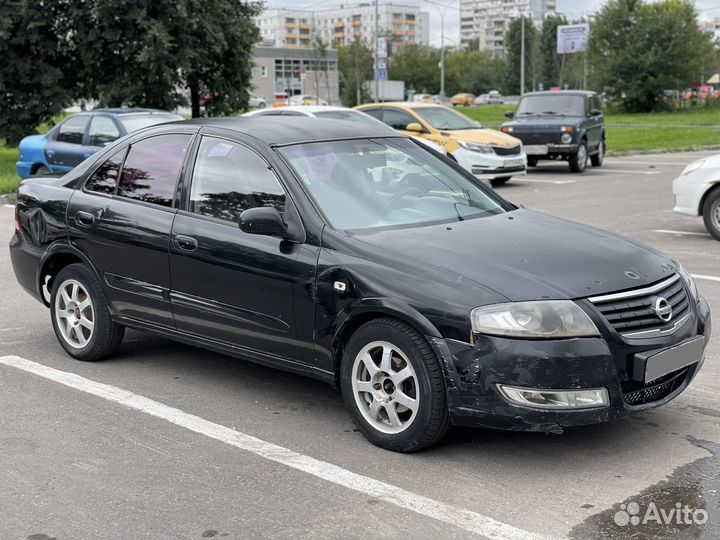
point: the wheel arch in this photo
(53, 261)
(366, 310)
(713, 188)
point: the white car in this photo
(337, 113)
(697, 192)
(256, 102)
(494, 97)
(306, 99)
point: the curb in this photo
(8, 199)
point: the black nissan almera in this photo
(352, 254)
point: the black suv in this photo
(560, 125)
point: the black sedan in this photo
(351, 254)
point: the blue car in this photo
(81, 135)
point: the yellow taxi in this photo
(463, 99)
(486, 153)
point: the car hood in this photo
(483, 136)
(525, 255)
(540, 121)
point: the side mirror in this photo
(595, 112)
(510, 114)
(415, 127)
(264, 220)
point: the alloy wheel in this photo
(74, 313)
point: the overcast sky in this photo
(572, 9)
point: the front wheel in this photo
(711, 214)
(500, 181)
(532, 161)
(80, 315)
(597, 159)
(393, 386)
(578, 160)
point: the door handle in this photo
(186, 243)
(84, 219)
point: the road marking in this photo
(459, 517)
(628, 171)
(703, 276)
(688, 233)
(515, 179)
(655, 163)
(8, 206)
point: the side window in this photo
(375, 113)
(230, 178)
(102, 131)
(72, 130)
(595, 103)
(152, 168)
(397, 119)
(104, 179)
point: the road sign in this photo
(382, 74)
(382, 64)
(572, 38)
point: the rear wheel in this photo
(711, 214)
(394, 387)
(578, 160)
(80, 315)
(42, 169)
(597, 159)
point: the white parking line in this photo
(7, 205)
(628, 171)
(537, 180)
(703, 276)
(459, 517)
(688, 233)
(655, 163)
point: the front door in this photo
(227, 285)
(124, 227)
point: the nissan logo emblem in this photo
(663, 309)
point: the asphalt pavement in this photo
(179, 442)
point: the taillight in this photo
(18, 227)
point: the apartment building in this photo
(488, 20)
(339, 26)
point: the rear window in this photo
(133, 122)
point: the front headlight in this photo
(689, 281)
(483, 148)
(547, 319)
(694, 166)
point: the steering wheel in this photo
(401, 194)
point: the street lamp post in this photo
(377, 31)
(522, 55)
(441, 12)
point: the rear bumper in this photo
(24, 168)
(26, 260)
(474, 372)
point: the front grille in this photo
(549, 137)
(635, 393)
(504, 151)
(633, 313)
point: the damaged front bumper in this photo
(475, 375)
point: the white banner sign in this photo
(572, 38)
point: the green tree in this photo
(550, 61)
(639, 49)
(34, 82)
(473, 71)
(355, 63)
(513, 40)
(417, 65)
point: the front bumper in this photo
(556, 150)
(688, 194)
(474, 371)
(490, 166)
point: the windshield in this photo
(138, 121)
(352, 116)
(370, 183)
(444, 119)
(559, 104)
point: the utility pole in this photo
(522, 55)
(377, 31)
(442, 55)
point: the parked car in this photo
(337, 113)
(256, 102)
(462, 100)
(697, 192)
(564, 125)
(81, 135)
(492, 98)
(307, 99)
(486, 153)
(422, 98)
(427, 298)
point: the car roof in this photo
(562, 93)
(283, 130)
(127, 110)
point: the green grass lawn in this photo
(691, 129)
(9, 179)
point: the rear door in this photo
(594, 123)
(66, 144)
(228, 285)
(102, 132)
(124, 226)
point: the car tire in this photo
(80, 315)
(578, 160)
(385, 366)
(711, 213)
(532, 162)
(597, 159)
(500, 181)
(42, 169)
(262, 105)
